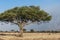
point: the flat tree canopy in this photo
(24, 14)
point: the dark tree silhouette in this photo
(24, 30)
(32, 30)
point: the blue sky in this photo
(4, 5)
(51, 6)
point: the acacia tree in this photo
(22, 15)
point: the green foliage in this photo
(24, 14)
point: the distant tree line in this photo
(33, 31)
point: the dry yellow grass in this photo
(31, 36)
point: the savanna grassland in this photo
(30, 36)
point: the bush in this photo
(31, 30)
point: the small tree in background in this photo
(24, 30)
(32, 30)
(12, 30)
(22, 15)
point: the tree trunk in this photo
(21, 29)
